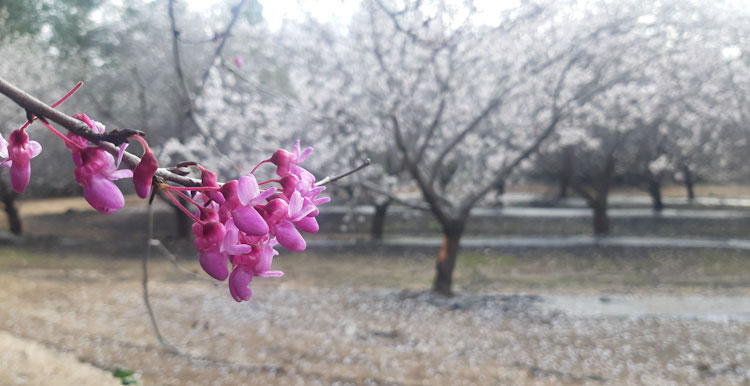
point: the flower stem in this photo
(258, 165)
(268, 182)
(194, 188)
(63, 137)
(66, 96)
(187, 212)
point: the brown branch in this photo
(182, 81)
(220, 48)
(40, 109)
(492, 105)
(377, 189)
(329, 179)
(432, 197)
(189, 98)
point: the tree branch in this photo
(433, 199)
(224, 37)
(36, 107)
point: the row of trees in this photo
(582, 93)
(445, 103)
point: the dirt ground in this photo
(334, 320)
(71, 311)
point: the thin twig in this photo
(330, 179)
(189, 98)
(175, 261)
(144, 266)
(220, 48)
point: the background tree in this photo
(480, 97)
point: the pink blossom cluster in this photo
(237, 223)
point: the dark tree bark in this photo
(565, 173)
(8, 198)
(654, 190)
(596, 196)
(562, 187)
(601, 220)
(689, 183)
(446, 260)
(378, 220)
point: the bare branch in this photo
(220, 48)
(329, 179)
(41, 109)
(144, 282)
(377, 189)
(492, 105)
(434, 200)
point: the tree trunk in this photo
(378, 220)
(689, 183)
(9, 204)
(563, 183)
(601, 221)
(446, 260)
(654, 190)
(598, 201)
(565, 173)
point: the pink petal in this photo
(239, 249)
(270, 274)
(239, 284)
(144, 174)
(36, 148)
(3, 147)
(214, 263)
(304, 155)
(295, 204)
(321, 200)
(308, 225)
(121, 153)
(289, 237)
(248, 189)
(120, 174)
(248, 220)
(7, 163)
(19, 177)
(102, 194)
(262, 197)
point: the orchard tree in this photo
(482, 99)
(632, 129)
(333, 106)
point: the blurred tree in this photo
(63, 25)
(466, 104)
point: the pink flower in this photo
(17, 154)
(285, 160)
(208, 179)
(145, 170)
(245, 216)
(256, 263)
(208, 240)
(95, 174)
(282, 216)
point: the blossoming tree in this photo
(482, 98)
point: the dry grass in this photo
(342, 317)
(359, 317)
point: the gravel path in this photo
(290, 334)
